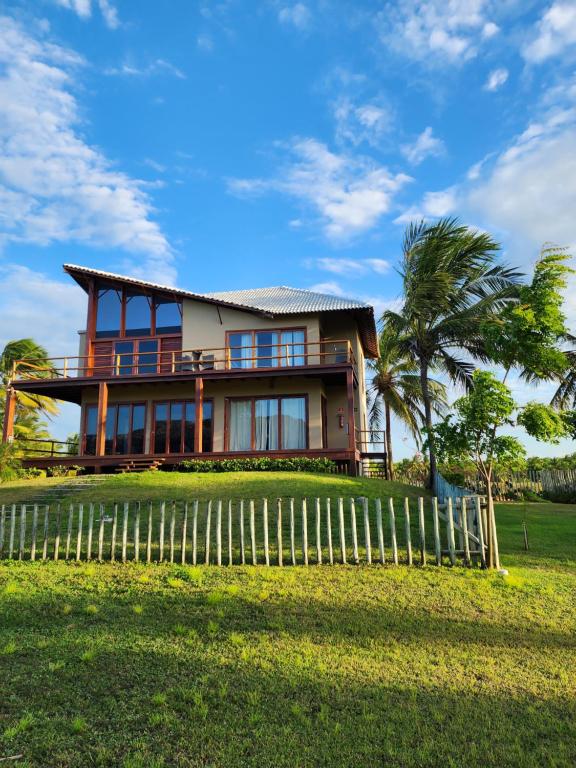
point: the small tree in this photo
(473, 437)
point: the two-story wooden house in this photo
(164, 374)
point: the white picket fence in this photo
(280, 532)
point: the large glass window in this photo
(147, 356)
(168, 316)
(125, 429)
(138, 428)
(108, 313)
(255, 424)
(267, 349)
(124, 358)
(175, 426)
(138, 315)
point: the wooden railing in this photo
(261, 356)
(44, 448)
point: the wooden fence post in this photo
(22, 544)
(57, 534)
(253, 531)
(79, 534)
(34, 532)
(161, 532)
(422, 531)
(46, 532)
(149, 534)
(241, 516)
(329, 532)
(90, 532)
(467, 558)
(219, 532)
(183, 537)
(12, 532)
(342, 530)
(114, 529)
(380, 530)
(408, 531)
(69, 531)
(230, 543)
(366, 505)
(292, 532)
(137, 533)
(450, 529)
(207, 539)
(101, 533)
(172, 533)
(2, 528)
(305, 531)
(354, 532)
(436, 521)
(265, 524)
(279, 529)
(481, 532)
(125, 531)
(195, 532)
(393, 530)
(318, 532)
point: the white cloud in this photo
(348, 194)
(426, 145)
(204, 42)
(496, 79)
(334, 289)
(83, 8)
(352, 267)
(445, 31)
(54, 186)
(156, 67)
(555, 32)
(297, 15)
(357, 123)
(434, 205)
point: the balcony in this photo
(226, 361)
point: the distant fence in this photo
(256, 532)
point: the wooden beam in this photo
(199, 404)
(101, 419)
(350, 399)
(91, 327)
(9, 415)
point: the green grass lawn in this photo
(132, 665)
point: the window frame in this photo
(152, 297)
(253, 332)
(252, 399)
(184, 402)
(115, 404)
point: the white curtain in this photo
(240, 425)
(266, 425)
(293, 422)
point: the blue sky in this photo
(220, 145)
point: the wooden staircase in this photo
(138, 465)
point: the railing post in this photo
(199, 410)
(9, 415)
(101, 418)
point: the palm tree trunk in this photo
(427, 401)
(389, 443)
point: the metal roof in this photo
(277, 300)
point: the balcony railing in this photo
(325, 353)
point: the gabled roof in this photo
(270, 302)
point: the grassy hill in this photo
(323, 666)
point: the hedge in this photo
(297, 464)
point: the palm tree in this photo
(395, 390)
(34, 354)
(565, 396)
(452, 284)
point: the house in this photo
(164, 374)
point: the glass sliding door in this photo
(240, 427)
(240, 350)
(267, 352)
(293, 349)
(175, 426)
(90, 424)
(138, 430)
(124, 432)
(293, 421)
(266, 422)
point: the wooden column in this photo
(88, 363)
(199, 404)
(101, 419)
(352, 470)
(9, 414)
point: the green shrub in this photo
(57, 471)
(260, 464)
(561, 496)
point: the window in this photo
(109, 313)
(168, 316)
(147, 357)
(175, 427)
(124, 357)
(138, 315)
(125, 429)
(267, 424)
(267, 349)
(124, 312)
